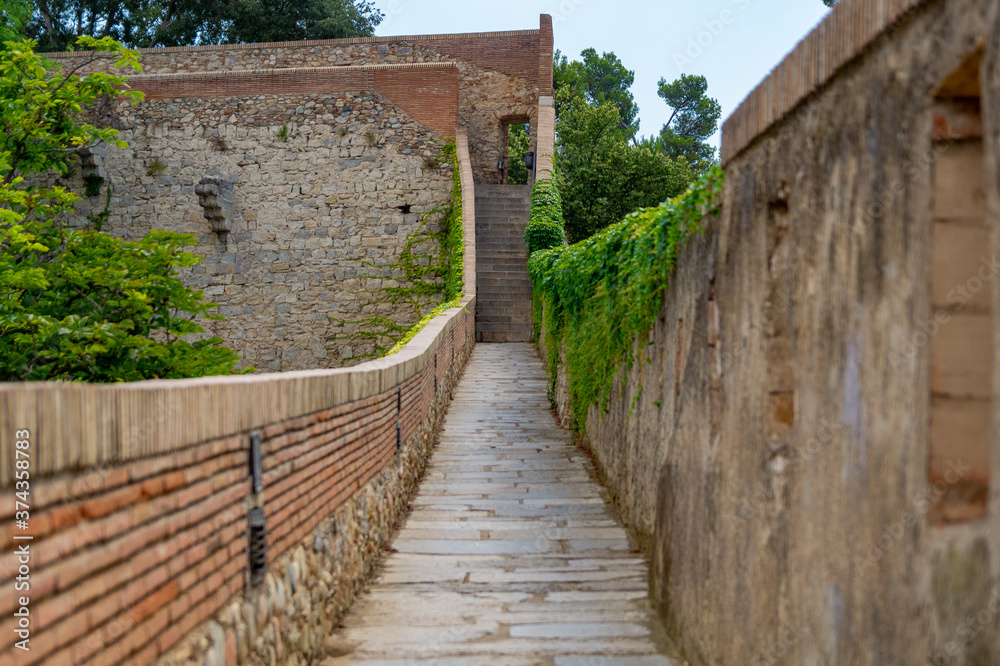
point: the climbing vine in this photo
(597, 296)
(435, 277)
(545, 226)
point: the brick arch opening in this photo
(505, 120)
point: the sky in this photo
(733, 43)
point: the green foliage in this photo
(598, 79)
(542, 236)
(146, 23)
(545, 226)
(419, 326)
(92, 184)
(601, 177)
(829, 3)
(14, 15)
(107, 310)
(598, 296)
(283, 133)
(694, 119)
(428, 278)
(97, 219)
(156, 167)
(518, 143)
(80, 304)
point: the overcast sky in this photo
(734, 43)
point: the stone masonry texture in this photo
(769, 447)
(317, 215)
(502, 73)
(329, 149)
(145, 560)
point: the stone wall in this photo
(502, 73)
(143, 497)
(322, 182)
(141, 492)
(772, 445)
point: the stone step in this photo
(484, 322)
(511, 332)
(520, 335)
(491, 190)
(507, 211)
(512, 258)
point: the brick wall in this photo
(139, 499)
(852, 26)
(427, 91)
(502, 74)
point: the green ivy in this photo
(545, 226)
(597, 296)
(419, 326)
(426, 278)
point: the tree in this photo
(14, 15)
(694, 118)
(829, 3)
(79, 304)
(518, 143)
(146, 23)
(601, 177)
(599, 79)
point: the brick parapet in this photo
(844, 35)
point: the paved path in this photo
(510, 557)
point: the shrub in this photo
(601, 294)
(79, 304)
(542, 236)
(545, 226)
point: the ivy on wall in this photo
(598, 296)
(427, 278)
(545, 226)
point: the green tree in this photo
(694, 118)
(518, 143)
(14, 15)
(146, 23)
(829, 3)
(602, 178)
(598, 79)
(78, 304)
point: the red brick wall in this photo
(129, 558)
(515, 53)
(429, 92)
(545, 54)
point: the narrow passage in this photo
(510, 557)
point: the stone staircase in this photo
(503, 310)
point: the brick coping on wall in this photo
(317, 42)
(271, 71)
(841, 37)
(79, 426)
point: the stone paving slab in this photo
(511, 556)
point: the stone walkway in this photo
(510, 557)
